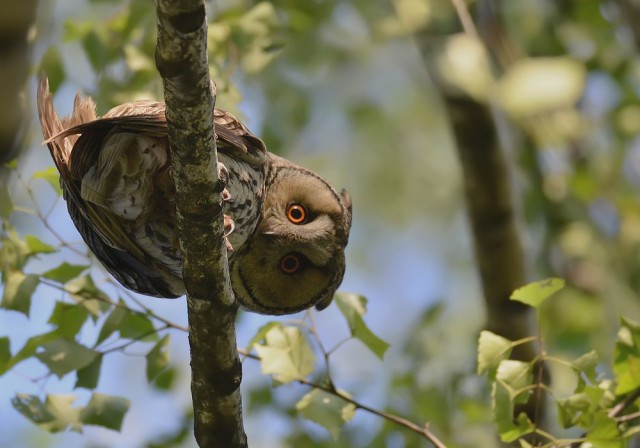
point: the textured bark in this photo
(181, 59)
(16, 19)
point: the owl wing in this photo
(81, 142)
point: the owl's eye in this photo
(297, 213)
(290, 263)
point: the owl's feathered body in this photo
(115, 172)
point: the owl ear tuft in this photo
(346, 198)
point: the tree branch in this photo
(181, 59)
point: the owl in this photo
(286, 227)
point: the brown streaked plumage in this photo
(288, 227)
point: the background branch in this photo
(181, 59)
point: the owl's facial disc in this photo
(296, 257)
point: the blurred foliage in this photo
(341, 85)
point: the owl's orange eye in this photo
(297, 214)
(290, 264)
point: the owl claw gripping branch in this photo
(286, 226)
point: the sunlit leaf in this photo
(105, 410)
(62, 356)
(536, 85)
(492, 349)
(535, 293)
(586, 364)
(158, 358)
(326, 410)
(353, 307)
(286, 354)
(260, 334)
(137, 326)
(85, 292)
(30, 347)
(65, 272)
(36, 246)
(54, 415)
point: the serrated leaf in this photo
(84, 291)
(522, 427)
(54, 415)
(5, 354)
(62, 356)
(51, 176)
(605, 432)
(88, 376)
(36, 246)
(353, 307)
(492, 349)
(65, 272)
(158, 358)
(587, 364)
(105, 410)
(327, 410)
(69, 318)
(626, 363)
(515, 375)
(535, 293)
(18, 289)
(286, 354)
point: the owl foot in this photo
(229, 227)
(223, 176)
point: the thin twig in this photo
(421, 430)
(465, 18)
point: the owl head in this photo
(295, 258)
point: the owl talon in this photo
(226, 196)
(223, 175)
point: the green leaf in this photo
(6, 205)
(326, 410)
(158, 358)
(65, 272)
(30, 347)
(260, 334)
(87, 294)
(492, 349)
(165, 379)
(54, 415)
(36, 246)
(95, 50)
(353, 307)
(62, 356)
(14, 252)
(18, 289)
(52, 64)
(5, 354)
(69, 318)
(626, 363)
(286, 354)
(137, 326)
(89, 375)
(52, 177)
(535, 293)
(112, 323)
(605, 432)
(105, 410)
(586, 364)
(512, 377)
